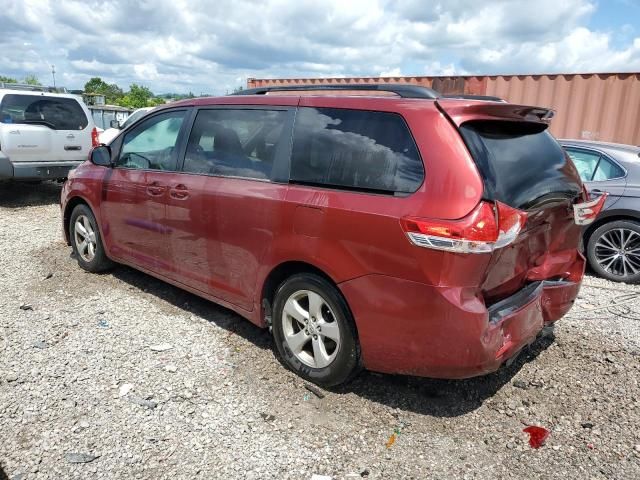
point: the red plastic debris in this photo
(537, 435)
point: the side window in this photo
(234, 142)
(607, 170)
(151, 145)
(585, 162)
(355, 150)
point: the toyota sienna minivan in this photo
(385, 227)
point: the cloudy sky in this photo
(212, 46)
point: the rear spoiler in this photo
(461, 112)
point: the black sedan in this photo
(612, 242)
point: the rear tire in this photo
(86, 241)
(614, 251)
(314, 331)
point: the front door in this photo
(136, 191)
(224, 206)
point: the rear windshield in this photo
(522, 165)
(54, 112)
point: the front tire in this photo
(614, 251)
(314, 331)
(86, 242)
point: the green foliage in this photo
(156, 101)
(32, 80)
(111, 92)
(7, 79)
(138, 96)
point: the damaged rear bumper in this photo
(448, 332)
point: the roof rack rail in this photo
(32, 88)
(486, 98)
(402, 90)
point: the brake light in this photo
(586, 212)
(94, 137)
(485, 229)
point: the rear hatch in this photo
(41, 128)
(522, 166)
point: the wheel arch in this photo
(279, 274)
(68, 209)
(614, 216)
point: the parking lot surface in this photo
(120, 375)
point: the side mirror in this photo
(114, 124)
(101, 156)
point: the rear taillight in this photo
(94, 137)
(486, 228)
(586, 212)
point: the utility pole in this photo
(53, 74)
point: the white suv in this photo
(43, 135)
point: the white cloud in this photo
(207, 45)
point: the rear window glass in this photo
(54, 112)
(355, 150)
(522, 165)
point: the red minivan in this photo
(385, 227)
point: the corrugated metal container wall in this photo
(602, 106)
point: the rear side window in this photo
(522, 165)
(54, 112)
(594, 167)
(355, 150)
(607, 170)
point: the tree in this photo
(111, 92)
(7, 79)
(32, 80)
(156, 101)
(138, 96)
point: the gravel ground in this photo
(122, 376)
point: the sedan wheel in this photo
(614, 251)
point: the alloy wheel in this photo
(617, 251)
(310, 328)
(85, 238)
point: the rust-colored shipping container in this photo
(594, 106)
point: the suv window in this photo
(234, 142)
(355, 150)
(520, 162)
(151, 145)
(57, 113)
(594, 167)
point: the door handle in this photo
(155, 189)
(179, 192)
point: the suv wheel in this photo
(86, 242)
(314, 331)
(614, 251)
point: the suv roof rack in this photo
(402, 90)
(32, 88)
